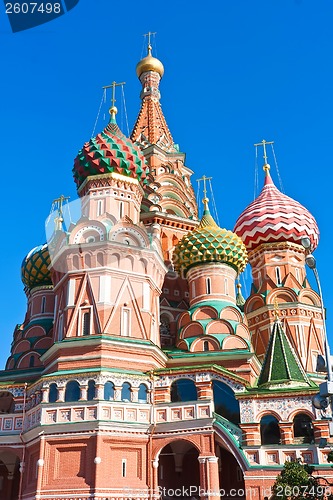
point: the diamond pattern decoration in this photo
(210, 243)
(34, 269)
(110, 151)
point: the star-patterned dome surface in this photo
(35, 267)
(210, 243)
(275, 217)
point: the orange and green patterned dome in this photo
(210, 243)
(110, 152)
(35, 268)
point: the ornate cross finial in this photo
(276, 309)
(113, 85)
(149, 34)
(58, 203)
(205, 199)
(264, 143)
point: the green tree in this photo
(297, 482)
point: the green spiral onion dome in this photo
(110, 152)
(210, 243)
(35, 267)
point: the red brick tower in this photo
(272, 227)
(169, 198)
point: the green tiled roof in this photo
(281, 365)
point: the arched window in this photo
(76, 262)
(183, 389)
(72, 392)
(143, 394)
(269, 430)
(87, 260)
(206, 345)
(100, 259)
(43, 305)
(32, 361)
(53, 393)
(91, 390)
(109, 391)
(86, 323)
(7, 404)
(303, 429)
(225, 402)
(226, 290)
(126, 392)
(165, 325)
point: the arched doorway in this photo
(231, 476)
(178, 469)
(9, 476)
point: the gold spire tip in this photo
(266, 167)
(205, 201)
(113, 111)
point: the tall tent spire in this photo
(150, 127)
(281, 367)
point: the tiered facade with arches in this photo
(139, 370)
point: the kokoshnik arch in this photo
(139, 367)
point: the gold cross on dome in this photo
(264, 143)
(113, 86)
(149, 34)
(204, 179)
(58, 203)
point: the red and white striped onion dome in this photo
(275, 217)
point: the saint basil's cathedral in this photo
(140, 371)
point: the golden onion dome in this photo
(149, 63)
(210, 243)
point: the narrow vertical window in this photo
(297, 274)
(226, 292)
(123, 467)
(100, 207)
(32, 361)
(60, 327)
(71, 292)
(86, 323)
(42, 309)
(121, 209)
(208, 286)
(206, 345)
(125, 320)
(278, 275)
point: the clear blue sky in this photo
(236, 72)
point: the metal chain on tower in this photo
(277, 169)
(99, 112)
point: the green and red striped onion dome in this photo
(110, 152)
(35, 267)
